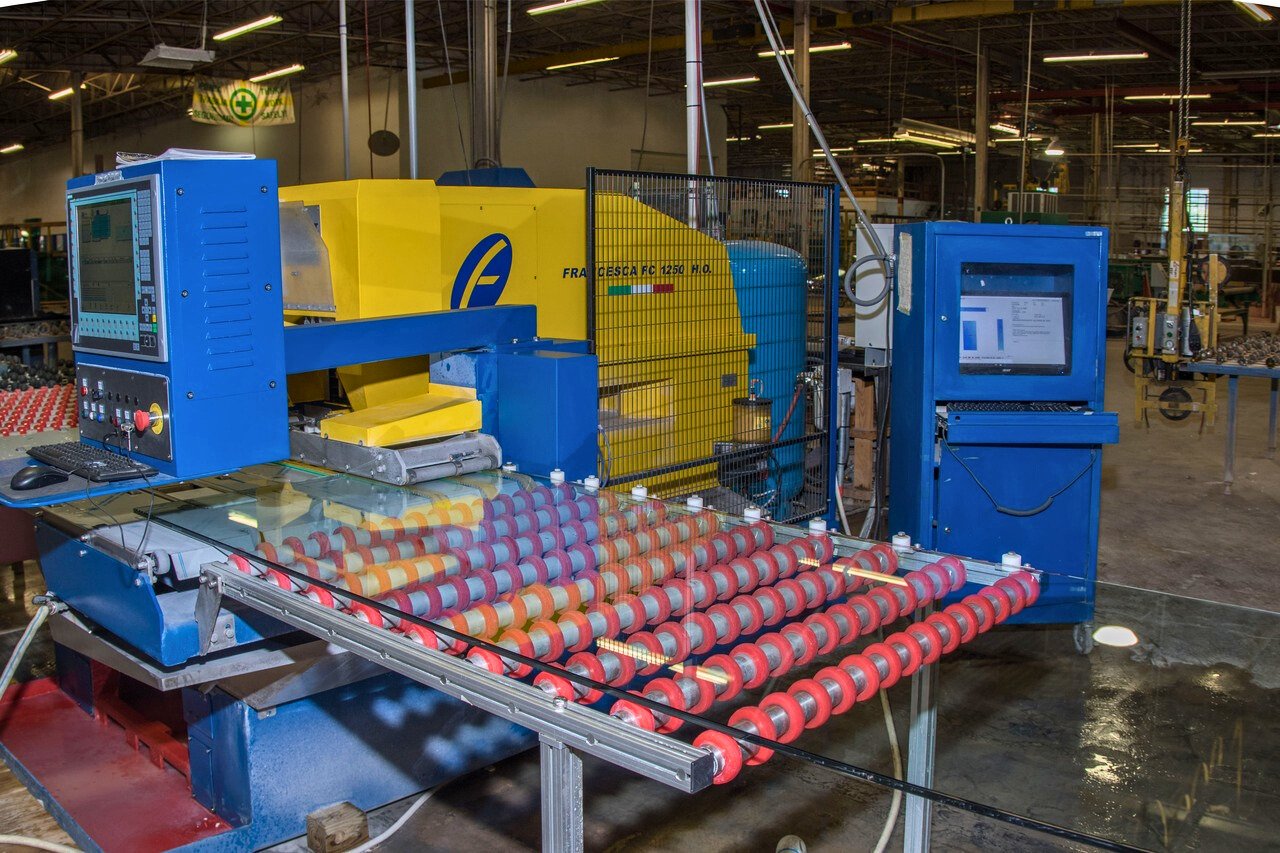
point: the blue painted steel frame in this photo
(943, 492)
(320, 346)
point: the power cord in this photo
(1021, 513)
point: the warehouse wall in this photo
(555, 130)
(309, 150)
(552, 129)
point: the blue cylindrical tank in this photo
(771, 285)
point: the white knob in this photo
(901, 542)
(639, 492)
(1011, 559)
(694, 502)
(752, 512)
(510, 467)
(557, 476)
(592, 484)
(817, 526)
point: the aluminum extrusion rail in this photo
(662, 759)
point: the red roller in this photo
(789, 706)
(764, 728)
(821, 700)
(845, 688)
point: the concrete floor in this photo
(1109, 743)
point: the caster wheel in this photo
(1083, 636)
(1179, 396)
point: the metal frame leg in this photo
(1271, 422)
(561, 798)
(921, 746)
(1229, 476)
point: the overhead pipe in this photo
(484, 70)
(692, 82)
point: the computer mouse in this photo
(36, 477)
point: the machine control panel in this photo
(117, 270)
(125, 410)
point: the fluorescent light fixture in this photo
(1159, 150)
(61, 93)
(1135, 145)
(908, 136)
(782, 125)
(737, 139)
(1267, 135)
(279, 72)
(1194, 96)
(7, 54)
(1115, 635)
(1054, 148)
(560, 6)
(1227, 122)
(12, 148)
(1096, 55)
(730, 81)
(844, 150)
(1021, 139)
(1002, 127)
(582, 62)
(819, 48)
(933, 131)
(247, 28)
(1255, 11)
(878, 140)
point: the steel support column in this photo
(561, 798)
(484, 71)
(346, 90)
(411, 66)
(77, 127)
(981, 131)
(921, 743)
(801, 146)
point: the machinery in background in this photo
(1165, 333)
(683, 320)
(997, 417)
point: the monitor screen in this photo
(1014, 333)
(106, 259)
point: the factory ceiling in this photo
(904, 59)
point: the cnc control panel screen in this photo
(116, 282)
(107, 259)
(1015, 333)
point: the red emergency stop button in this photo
(141, 420)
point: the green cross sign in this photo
(244, 104)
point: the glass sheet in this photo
(1168, 743)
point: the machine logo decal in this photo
(483, 274)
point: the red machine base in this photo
(103, 791)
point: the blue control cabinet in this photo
(176, 306)
(997, 396)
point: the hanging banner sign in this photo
(241, 103)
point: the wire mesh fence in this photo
(711, 317)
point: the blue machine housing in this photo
(220, 301)
(769, 281)
(982, 483)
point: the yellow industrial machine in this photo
(399, 246)
(1165, 333)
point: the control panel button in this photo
(141, 420)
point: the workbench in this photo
(1233, 372)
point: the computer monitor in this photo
(1015, 333)
(116, 295)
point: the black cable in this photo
(1022, 513)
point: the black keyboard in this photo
(92, 463)
(1009, 406)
